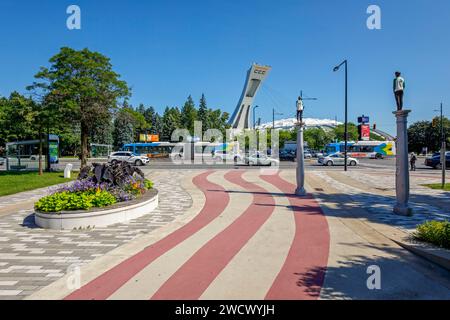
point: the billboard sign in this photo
(148, 137)
(365, 132)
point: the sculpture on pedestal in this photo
(399, 89)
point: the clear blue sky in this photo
(167, 50)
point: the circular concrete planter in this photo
(99, 217)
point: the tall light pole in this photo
(273, 117)
(300, 191)
(346, 108)
(443, 147)
(254, 117)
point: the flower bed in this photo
(103, 194)
(434, 232)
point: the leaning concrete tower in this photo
(241, 118)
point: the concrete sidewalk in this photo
(360, 240)
(250, 238)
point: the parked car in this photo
(307, 154)
(316, 154)
(129, 157)
(435, 161)
(337, 159)
(259, 159)
(288, 155)
(220, 156)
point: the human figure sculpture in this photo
(399, 88)
(300, 108)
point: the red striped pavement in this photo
(194, 277)
(303, 273)
(109, 282)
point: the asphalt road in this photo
(311, 164)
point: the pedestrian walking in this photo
(413, 161)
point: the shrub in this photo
(99, 185)
(66, 201)
(435, 232)
(148, 184)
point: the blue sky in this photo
(167, 50)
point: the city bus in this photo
(165, 149)
(364, 149)
(151, 150)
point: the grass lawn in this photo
(14, 182)
(438, 186)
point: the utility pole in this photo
(273, 117)
(300, 172)
(443, 147)
(345, 62)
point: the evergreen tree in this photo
(154, 120)
(123, 132)
(170, 122)
(188, 115)
(141, 109)
(203, 114)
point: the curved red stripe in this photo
(194, 277)
(109, 282)
(303, 273)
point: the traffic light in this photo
(435, 122)
(374, 126)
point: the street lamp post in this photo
(346, 109)
(300, 191)
(273, 117)
(254, 117)
(443, 147)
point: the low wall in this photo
(99, 217)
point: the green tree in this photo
(123, 132)
(171, 120)
(17, 117)
(84, 87)
(154, 120)
(188, 115)
(318, 138)
(203, 114)
(339, 132)
(426, 134)
(140, 125)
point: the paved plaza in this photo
(234, 234)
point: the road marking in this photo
(109, 282)
(194, 277)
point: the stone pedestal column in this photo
(402, 166)
(300, 191)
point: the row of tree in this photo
(427, 134)
(130, 123)
(80, 98)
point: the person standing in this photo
(399, 88)
(413, 161)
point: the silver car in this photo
(126, 156)
(337, 159)
(260, 159)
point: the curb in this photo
(437, 255)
